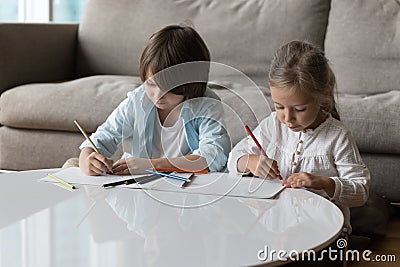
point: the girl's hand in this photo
(260, 165)
(131, 166)
(311, 181)
(93, 163)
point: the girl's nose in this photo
(289, 116)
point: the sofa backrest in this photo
(363, 45)
(240, 33)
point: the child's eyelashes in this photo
(296, 109)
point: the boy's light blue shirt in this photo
(134, 117)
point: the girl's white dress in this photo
(329, 150)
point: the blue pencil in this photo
(168, 175)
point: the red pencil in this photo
(258, 145)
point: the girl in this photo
(174, 120)
(305, 136)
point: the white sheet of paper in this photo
(74, 175)
(211, 184)
(218, 184)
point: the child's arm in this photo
(353, 180)
(118, 126)
(189, 162)
(350, 188)
(246, 157)
(211, 153)
(140, 165)
(309, 180)
(212, 137)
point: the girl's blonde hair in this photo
(302, 66)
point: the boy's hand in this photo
(93, 163)
(260, 166)
(311, 181)
(131, 166)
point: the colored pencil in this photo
(258, 145)
(86, 136)
(168, 175)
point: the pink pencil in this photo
(258, 145)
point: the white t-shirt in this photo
(169, 142)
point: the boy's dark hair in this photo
(174, 45)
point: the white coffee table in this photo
(45, 225)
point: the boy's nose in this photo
(159, 94)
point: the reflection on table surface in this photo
(46, 225)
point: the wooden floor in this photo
(388, 247)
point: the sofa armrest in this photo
(36, 52)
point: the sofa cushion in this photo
(54, 106)
(363, 44)
(90, 100)
(24, 149)
(374, 120)
(368, 117)
(243, 106)
(384, 170)
(241, 34)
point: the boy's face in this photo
(297, 110)
(161, 99)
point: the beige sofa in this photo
(51, 74)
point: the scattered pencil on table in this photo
(259, 146)
(185, 184)
(204, 171)
(62, 182)
(168, 175)
(123, 182)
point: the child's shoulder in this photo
(271, 123)
(136, 92)
(271, 119)
(337, 127)
(207, 102)
(337, 124)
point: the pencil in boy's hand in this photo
(86, 136)
(258, 145)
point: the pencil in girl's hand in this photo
(255, 140)
(258, 145)
(86, 136)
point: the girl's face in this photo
(297, 110)
(161, 99)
